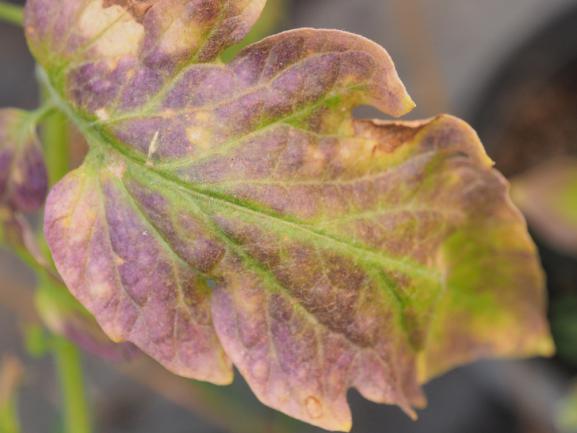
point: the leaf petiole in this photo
(43, 112)
(56, 139)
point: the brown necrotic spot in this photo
(137, 8)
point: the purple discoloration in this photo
(29, 191)
(183, 232)
(6, 157)
(143, 83)
(201, 87)
(23, 178)
(96, 342)
(269, 85)
(148, 296)
(302, 369)
(140, 132)
(96, 87)
(163, 35)
(259, 223)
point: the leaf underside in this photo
(237, 214)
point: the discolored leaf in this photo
(237, 213)
(23, 179)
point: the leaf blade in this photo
(322, 252)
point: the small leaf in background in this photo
(63, 315)
(17, 233)
(238, 214)
(547, 195)
(23, 178)
(10, 377)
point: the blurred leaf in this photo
(37, 341)
(547, 195)
(23, 177)
(270, 19)
(10, 377)
(13, 228)
(23, 182)
(66, 317)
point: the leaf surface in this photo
(237, 213)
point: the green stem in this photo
(66, 355)
(8, 418)
(69, 366)
(12, 14)
(29, 260)
(41, 113)
(56, 139)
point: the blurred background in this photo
(507, 67)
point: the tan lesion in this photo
(117, 32)
(181, 36)
(136, 8)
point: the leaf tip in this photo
(341, 426)
(407, 105)
(225, 378)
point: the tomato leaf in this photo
(237, 213)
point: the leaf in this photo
(23, 178)
(23, 188)
(237, 213)
(271, 18)
(548, 197)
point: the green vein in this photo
(258, 213)
(158, 234)
(267, 275)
